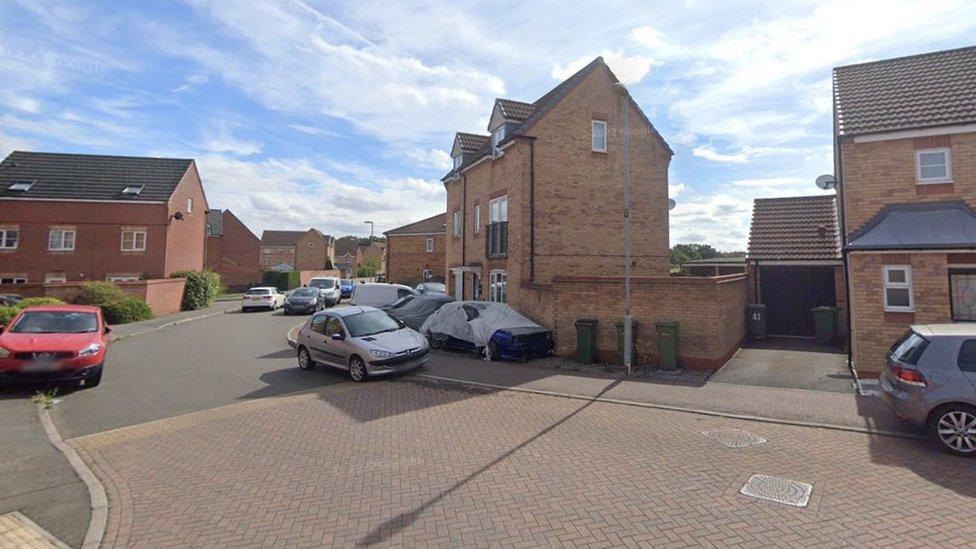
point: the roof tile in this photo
(794, 228)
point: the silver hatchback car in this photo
(363, 340)
(930, 380)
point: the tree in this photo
(687, 252)
(369, 268)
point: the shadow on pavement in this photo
(284, 353)
(294, 379)
(391, 527)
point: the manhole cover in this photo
(780, 490)
(734, 438)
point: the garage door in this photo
(790, 292)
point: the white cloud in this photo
(21, 102)
(675, 189)
(313, 130)
(433, 158)
(709, 153)
(194, 80)
(768, 182)
(630, 69)
(9, 143)
(649, 37)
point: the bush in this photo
(31, 301)
(125, 310)
(284, 281)
(7, 314)
(202, 288)
(98, 294)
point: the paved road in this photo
(410, 462)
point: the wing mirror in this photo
(108, 330)
(338, 337)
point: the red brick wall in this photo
(185, 238)
(162, 295)
(311, 252)
(407, 257)
(276, 255)
(236, 254)
(98, 229)
(710, 312)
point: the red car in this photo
(56, 343)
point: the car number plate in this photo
(40, 366)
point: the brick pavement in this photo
(417, 462)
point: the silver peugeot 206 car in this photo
(929, 379)
(363, 340)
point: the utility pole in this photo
(628, 329)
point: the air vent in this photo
(21, 186)
(132, 190)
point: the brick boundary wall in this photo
(163, 295)
(710, 312)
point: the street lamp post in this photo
(370, 223)
(628, 328)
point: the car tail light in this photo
(908, 376)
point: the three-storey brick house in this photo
(541, 195)
(905, 155)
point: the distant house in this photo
(350, 255)
(233, 250)
(795, 259)
(77, 217)
(415, 252)
(309, 250)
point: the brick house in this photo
(309, 250)
(233, 250)
(905, 159)
(415, 252)
(795, 262)
(350, 255)
(78, 217)
(538, 201)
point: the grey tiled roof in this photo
(91, 177)
(919, 225)
(472, 142)
(919, 91)
(515, 110)
(215, 222)
(794, 228)
(431, 225)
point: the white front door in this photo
(459, 285)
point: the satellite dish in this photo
(671, 203)
(826, 181)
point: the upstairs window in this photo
(898, 296)
(189, 205)
(933, 165)
(457, 161)
(61, 240)
(497, 137)
(133, 241)
(498, 210)
(456, 224)
(477, 218)
(9, 239)
(599, 135)
(430, 245)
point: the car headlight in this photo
(90, 350)
(381, 354)
(4, 353)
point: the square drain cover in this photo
(779, 490)
(734, 438)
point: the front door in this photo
(459, 285)
(962, 298)
(790, 292)
(475, 287)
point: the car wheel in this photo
(955, 428)
(434, 342)
(357, 369)
(305, 361)
(491, 351)
(95, 378)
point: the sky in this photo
(329, 113)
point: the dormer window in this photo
(132, 190)
(457, 161)
(21, 186)
(497, 137)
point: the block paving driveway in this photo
(410, 461)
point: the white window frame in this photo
(456, 223)
(497, 136)
(495, 213)
(62, 244)
(498, 286)
(134, 247)
(189, 205)
(593, 145)
(55, 278)
(14, 279)
(122, 278)
(5, 237)
(457, 161)
(430, 245)
(477, 218)
(906, 285)
(933, 180)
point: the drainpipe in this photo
(532, 210)
(842, 218)
(628, 329)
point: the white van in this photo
(377, 294)
(329, 288)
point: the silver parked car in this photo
(929, 379)
(363, 340)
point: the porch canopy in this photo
(925, 225)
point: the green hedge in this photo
(202, 288)
(8, 313)
(125, 310)
(98, 294)
(284, 281)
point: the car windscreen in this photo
(55, 322)
(909, 348)
(370, 323)
(258, 292)
(322, 283)
(435, 287)
(402, 301)
(346, 282)
(305, 292)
